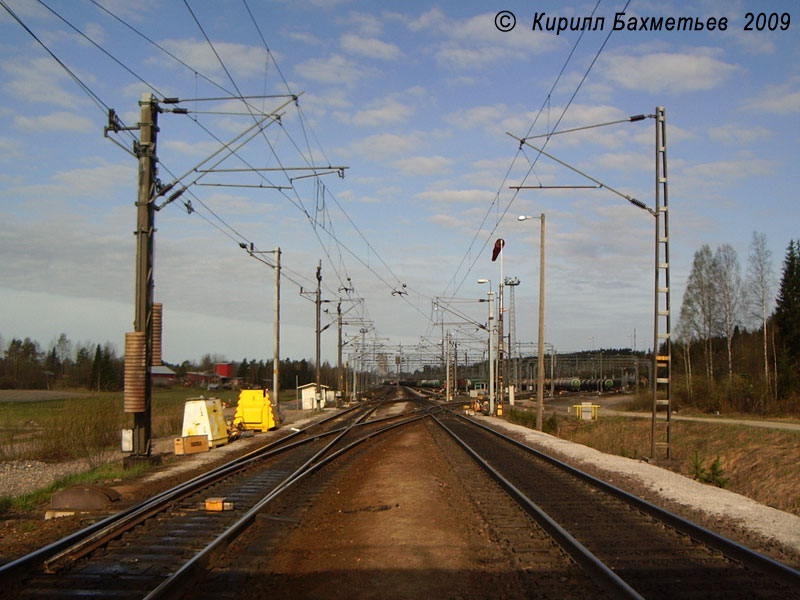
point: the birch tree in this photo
(728, 282)
(684, 338)
(759, 289)
(700, 305)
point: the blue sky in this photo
(415, 99)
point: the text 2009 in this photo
(762, 21)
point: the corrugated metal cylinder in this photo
(158, 310)
(135, 372)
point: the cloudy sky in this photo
(416, 100)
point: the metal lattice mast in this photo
(660, 434)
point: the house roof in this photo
(161, 370)
(308, 385)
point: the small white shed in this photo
(307, 391)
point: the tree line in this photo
(258, 373)
(25, 365)
(737, 341)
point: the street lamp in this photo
(490, 327)
(540, 344)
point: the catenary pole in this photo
(339, 370)
(145, 151)
(317, 396)
(276, 358)
(540, 344)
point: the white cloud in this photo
(40, 80)
(96, 32)
(9, 149)
(57, 121)
(384, 145)
(369, 47)
(723, 173)
(423, 165)
(755, 44)
(307, 38)
(625, 161)
(668, 72)
(25, 9)
(446, 220)
(91, 182)
(479, 116)
(738, 134)
(185, 148)
(334, 69)
(383, 112)
(232, 206)
(367, 24)
(475, 43)
(450, 196)
(779, 99)
(240, 59)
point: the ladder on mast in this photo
(660, 434)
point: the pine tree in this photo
(94, 377)
(787, 319)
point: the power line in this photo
(95, 98)
(103, 50)
(532, 165)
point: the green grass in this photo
(527, 418)
(87, 427)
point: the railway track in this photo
(150, 549)
(170, 545)
(633, 548)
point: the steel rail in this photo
(728, 547)
(88, 534)
(159, 503)
(596, 568)
(199, 560)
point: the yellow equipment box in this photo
(191, 444)
(586, 411)
(203, 416)
(218, 504)
(254, 411)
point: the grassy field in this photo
(60, 426)
(86, 426)
(763, 464)
(52, 425)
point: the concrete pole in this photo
(145, 230)
(354, 362)
(276, 357)
(455, 367)
(339, 371)
(500, 344)
(317, 395)
(449, 381)
(491, 353)
(540, 364)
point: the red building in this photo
(225, 370)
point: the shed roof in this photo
(161, 370)
(308, 385)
